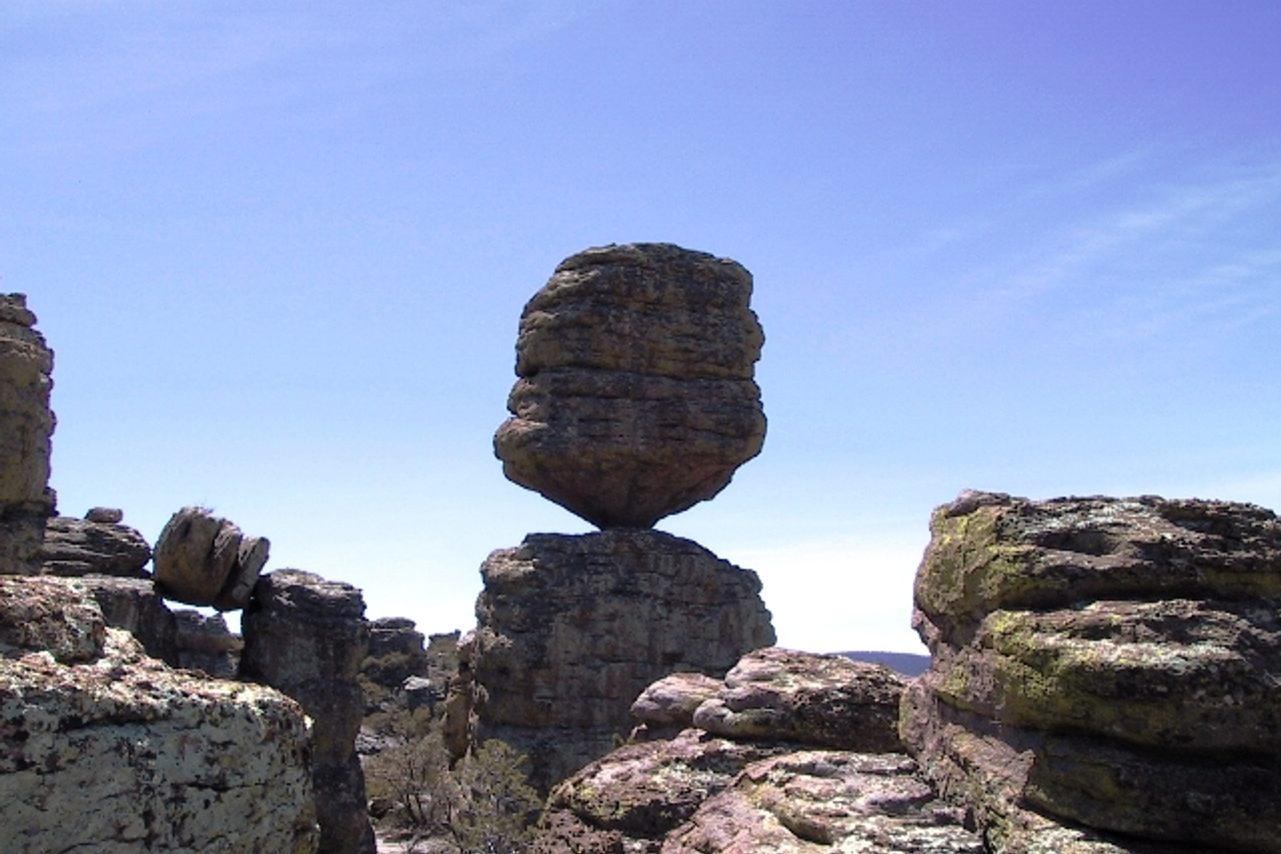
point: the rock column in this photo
(1105, 670)
(26, 424)
(306, 637)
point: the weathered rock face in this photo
(82, 546)
(1110, 663)
(636, 398)
(307, 637)
(132, 604)
(572, 628)
(109, 750)
(205, 643)
(773, 789)
(26, 423)
(202, 559)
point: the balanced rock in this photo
(26, 424)
(1106, 671)
(779, 787)
(307, 637)
(106, 749)
(572, 628)
(82, 546)
(202, 559)
(635, 398)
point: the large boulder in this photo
(26, 424)
(635, 398)
(202, 559)
(82, 546)
(779, 786)
(1105, 671)
(307, 637)
(572, 628)
(107, 749)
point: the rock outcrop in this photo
(26, 424)
(1106, 671)
(106, 749)
(202, 559)
(83, 546)
(205, 643)
(773, 789)
(307, 637)
(132, 604)
(572, 628)
(635, 398)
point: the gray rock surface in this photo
(80, 547)
(109, 750)
(572, 628)
(205, 643)
(105, 515)
(636, 398)
(770, 789)
(307, 637)
(26, 424)
(132, 604)
(202, 559)
(1106, 671)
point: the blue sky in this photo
(281, 250)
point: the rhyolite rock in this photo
(779, 787)
(307, 637)
(107, 749)
(636, 396)
(204, 642)
(1106, 672)
(82, 546)
(203, 559)
(26, 424)
(572, 628)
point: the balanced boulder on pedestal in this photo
(636, 398)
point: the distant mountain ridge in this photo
(907, 663)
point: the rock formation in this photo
(205, 643)
(106, 749)
(1106, 671)
(307, 637)
(572, 628)
(26, 423)
(785, 786)
(636, 398)
(83, 546)
(132, 604)
(202, 559)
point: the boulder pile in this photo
(793, 752)
(1106, 671)
(98, 544)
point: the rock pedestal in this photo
(572, 628)
(306, 637)
(636, 398)
(106, 749)
(1105, 671)
(26, 423)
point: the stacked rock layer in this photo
(1114, 664)
(636, 398)
(572, 628)
(809, 761)
(26, 424)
